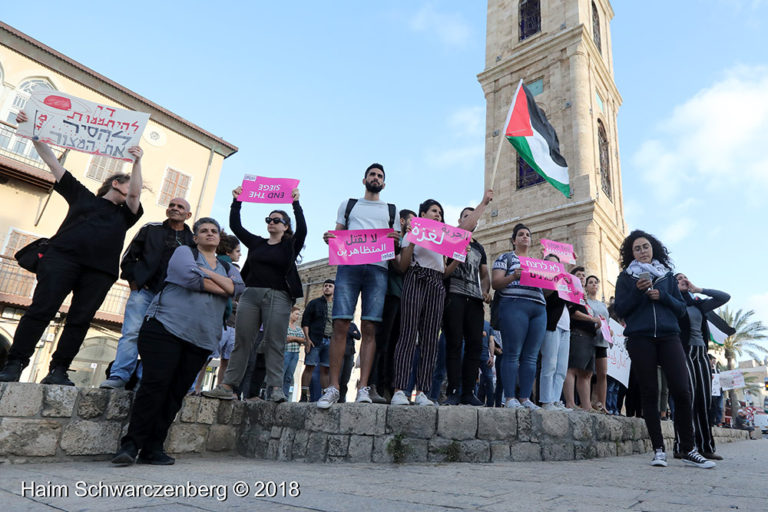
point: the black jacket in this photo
(145, 262)
(646, 317)
(554, 309)
(706, 306)
(314, 317)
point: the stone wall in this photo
(55, 423)
(51, 423)
(380, 433)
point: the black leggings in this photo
(648, 353)
(462, 321)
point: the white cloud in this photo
(713, 140)
(468, 122)
(677, 230)
(451, 29)
(463, 144)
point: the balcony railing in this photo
(20, 285)
(21, 149)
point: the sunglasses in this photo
(275, 220)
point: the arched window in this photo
(605, 163)
(18, 145)
(526, 176)
(530, 18)
(596, 27)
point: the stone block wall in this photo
(39, 422)
(380, 433)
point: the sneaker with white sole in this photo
(560, 405)
(694, 458)
(659, 458)
(330, 397)
(529, 405)
(550, 406)
(422, 399)
(513, 403)
(399, 398)
(364, 395)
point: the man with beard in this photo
(144, 266)
(369, 280)
(318, 330)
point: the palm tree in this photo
(746, 340)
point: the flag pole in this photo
(496, 164)
(502, 133)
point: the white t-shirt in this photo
(425, 257)
(565, 320)
(366, 215)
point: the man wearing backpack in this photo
(369, 280)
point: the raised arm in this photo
(44, 151)
(133, 199)
(470, 221)
(300, 234)
(246, 237)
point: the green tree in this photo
(746, 340)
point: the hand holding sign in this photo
(562, 250)
(360, 246)
(440, 238)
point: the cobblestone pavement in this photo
(596, 485)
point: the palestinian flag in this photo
(716, 336)
(719, 329)
(535, 139)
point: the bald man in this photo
(144, 266)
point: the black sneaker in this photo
(694, 458)
(471, 400)
(58, 376)
(126, 455)
(159, 458)
(451, 399)
(12, 371)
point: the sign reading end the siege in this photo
(74, 123)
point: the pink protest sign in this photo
(561, 250)
(440, 238)
(540, 273)
(360, 246)
(606, 330)
(569, 288)
(268, 190)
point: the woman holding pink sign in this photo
(422, 302)
(523, 321)
(272, 286)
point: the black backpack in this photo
(351, 204)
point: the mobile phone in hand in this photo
(645, 275)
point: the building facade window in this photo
(8, 139)
(175, 184)
(102, 167)
(16, 240)
(596, 28)
(605, 163)
(526, 176)
(530, 18)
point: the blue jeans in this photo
(554, 364)
(369, 281)
(523, 323)
(127, 348)
(612, 396)
(290, 360)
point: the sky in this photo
(319, 90)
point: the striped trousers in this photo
(421, 313)
(700, 380)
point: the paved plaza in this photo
(595, 485)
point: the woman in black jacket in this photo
(272, 285)
(694, 333)
(648, 299)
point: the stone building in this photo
(180, 159)
(561, 49)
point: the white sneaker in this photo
(364, 395)
(561, 406)
(550, 406)
(399, 398)
(694, 458)
(659, 458)
(529, 405)
(330, 397)
(422, 399)
(513, 403)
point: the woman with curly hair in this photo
(648, 299)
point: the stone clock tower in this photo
(561, 49)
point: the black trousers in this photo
(170, 367)
(346, 373)
(700, 381)
(56, 278)
(667, 352)
(387, 334)
(462, 321)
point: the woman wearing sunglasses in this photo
(272, 285)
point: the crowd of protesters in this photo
(423, 336)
